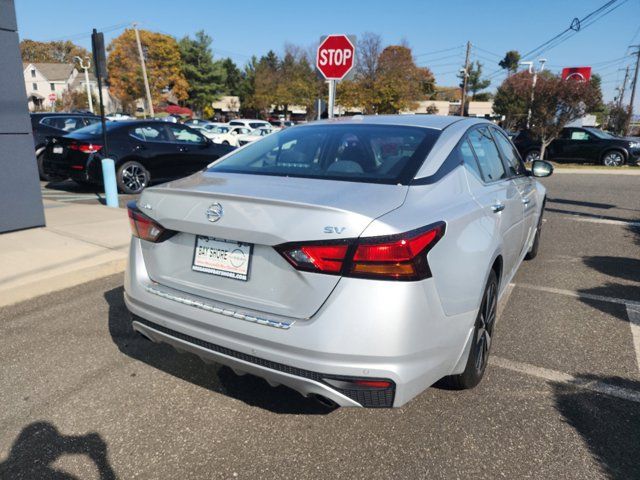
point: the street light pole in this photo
(86, 80)
(633, 89)
(465, 72)
(144, 71)
(535, 72)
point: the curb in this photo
(60, 282)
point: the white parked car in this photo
(118, 117)
(254, 135)
(248, 122)
(357, 261)
(228, 135)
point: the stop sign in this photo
(335, 57)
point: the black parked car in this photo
(584, 145)
(144, 152)
(45, 125)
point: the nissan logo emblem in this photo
(215, 212)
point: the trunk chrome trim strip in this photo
(221, 311)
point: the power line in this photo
(439, 51)
(79, 36)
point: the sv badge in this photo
(338, 230)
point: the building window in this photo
(33, 73)
(53, 87)
(35, 86)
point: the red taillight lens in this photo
(399, 257)
(146, 228)
(85, 147)
(317, 258)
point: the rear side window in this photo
(487, 154)
(362, 153)
(150, 133)
(236, 123)
(257, 124)
(509, 153)
(465, 153)
(68, 124)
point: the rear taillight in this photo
(146, 228)
(85, 147)
(396, 257)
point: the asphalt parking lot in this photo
(68, 191)
(561, 399)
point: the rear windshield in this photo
(94, 129)
(360, 153)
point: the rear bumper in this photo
(90, 171)
(409, 341)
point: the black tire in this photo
(482, 337)
(43, 176)
(225, 143)
(132, 177)
(533, 252)
(531, 155)
(613, 158)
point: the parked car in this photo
(358, 261)
(118, 117)
(228, 134)
(249, 123)
(145, 152)
(582, 145)
(281, 124)
(254, 135)
(45, 125)
(197, 122)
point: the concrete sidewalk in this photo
(79, 243)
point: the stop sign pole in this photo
(334, 60)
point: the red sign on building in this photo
(582, 74)
(335, 57)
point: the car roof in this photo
(62, 114)
(437, 122)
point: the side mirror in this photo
(541, 168)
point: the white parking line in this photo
(634, 319)
(606, 221)
(573, 293)
(567, 379)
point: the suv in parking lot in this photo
(45, 125)
(583, 145)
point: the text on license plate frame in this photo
(216, 267)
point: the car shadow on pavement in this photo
(564, 201)
(249, 389)
(624, 268)
(609, 426)
(40, 444)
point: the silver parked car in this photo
(358, 260)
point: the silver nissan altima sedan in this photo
(357, 261)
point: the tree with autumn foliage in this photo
(51, 52)
(556, 102)
(387, 81)
(163, 62)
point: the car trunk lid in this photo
(262, 211)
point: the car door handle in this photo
(139, 147)
(526, 201)
(498, 207)
(183, 149)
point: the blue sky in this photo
(241, 29)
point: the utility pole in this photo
(624, 86)
(465, 73)
(86, 80)
(144, 71)
(633, 89)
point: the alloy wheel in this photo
(484, 326)
(532, 156)
(134, 178)
(613, 159)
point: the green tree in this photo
(205, 76)
(510, 61)
(475, 82)
(234, 77)
(51, 52)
